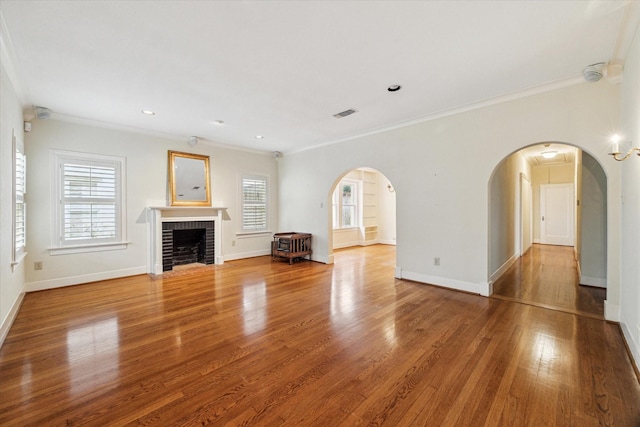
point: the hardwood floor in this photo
(547, 276)
(255, 342)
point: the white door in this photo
(557, 213)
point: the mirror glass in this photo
(189, 179)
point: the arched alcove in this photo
(519, 215)
(365, 213)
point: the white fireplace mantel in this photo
(156, 215)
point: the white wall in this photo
(630, 277)
(386, 212)
(146, 158)
(593, 231)
(504, 213)
(11, 279)
(441, 170)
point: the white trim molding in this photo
(82, 279)
(7, 322)
(483, 289)
(597, 282)
(504, 267)
(611, 312)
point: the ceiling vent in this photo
(42, 113)
(345, 113)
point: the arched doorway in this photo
(534, 247)
(363, 210)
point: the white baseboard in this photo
(9, 319)
(634, 346)
(263, 252)
(611, 312)
(504, 267)
(483, 289)
(391, 242)
(243, 255)
(85, 278)
(345, 245)
(593, 281)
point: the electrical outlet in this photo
(37, 265)
(436, 260)
(233, 243)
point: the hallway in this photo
(546, 276)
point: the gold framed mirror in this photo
(189, 179)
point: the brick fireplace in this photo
(183, 235)
(187, 242)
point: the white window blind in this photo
(90, 201)
(254, 203)
(20, 230)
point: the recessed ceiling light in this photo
(394, 88)
(549, 154)
(259, 137)
(218, 122)
(148, 112)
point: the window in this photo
(345, 204)
(19, 203)
(89, 205)
(254, 204)
(21, 210)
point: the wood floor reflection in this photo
(547, 276)
(261, 343)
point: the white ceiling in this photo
(282, 69)
(564, 154)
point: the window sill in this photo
(79, 249)
(249, 234)
(18, 261)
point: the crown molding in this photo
(9, 63)
(122, 128)
(549, 87)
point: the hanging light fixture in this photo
(548, 154)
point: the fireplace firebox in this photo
(187, 242)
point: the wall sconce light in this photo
(615, 149)
(390, 188)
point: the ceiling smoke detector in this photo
(593, 73)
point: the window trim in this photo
(242, 232)
(18, 253)
(336, 203)
(58, 246)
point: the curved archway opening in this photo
(363, 210)
(547, 228)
